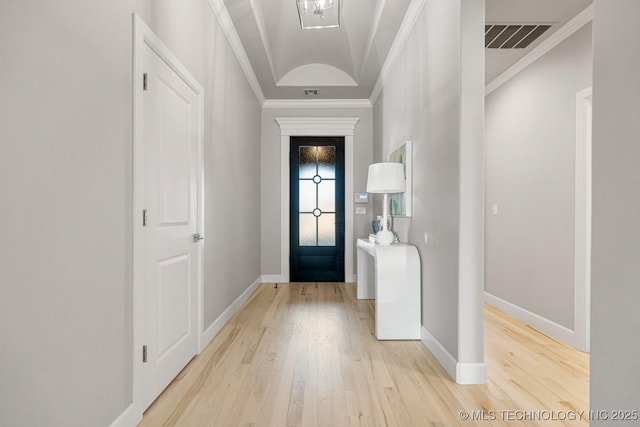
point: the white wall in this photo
(530, 165)
(615, 318)
(271, 175)
(65, 186)
(422, 101)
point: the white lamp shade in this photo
(387, 177)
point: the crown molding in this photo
(221, 13)
(579, 21)
(409, 21)
(316, 103)
(328, 126)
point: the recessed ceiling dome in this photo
(316, 75)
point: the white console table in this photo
(391, 276)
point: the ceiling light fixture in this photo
(315, 14)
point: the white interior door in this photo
(170, 262)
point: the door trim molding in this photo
(582, 234)
(144, 36)
(316, 126)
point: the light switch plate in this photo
(361, 210)
(361, 198)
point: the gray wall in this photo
(232, 149)
(615, 318)
(530, 164)
(421, 101)
(65, 187)
(271, 175)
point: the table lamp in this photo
(385, 178)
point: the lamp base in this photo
(384, 237)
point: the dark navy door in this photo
(317, 209)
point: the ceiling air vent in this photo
(512, 36)
(310, 92)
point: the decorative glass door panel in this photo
(317, 195)
(317, 209)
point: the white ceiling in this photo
(344, 63)
(349, 57)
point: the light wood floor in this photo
(305, 355)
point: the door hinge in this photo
(144, 354)
(145, 217)
(144, 81)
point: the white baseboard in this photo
(471, 373)
(277, 278)
(461, 373)
(447, 361)
(273, 278)
(222, 320)
(128, 418)
(545, 325)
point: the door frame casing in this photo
(316, 126)
(144, 36)
(582, 235)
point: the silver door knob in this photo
(197, 237)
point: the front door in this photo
(317, 209)
(171, 117)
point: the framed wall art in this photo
(400, 203)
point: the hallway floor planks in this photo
(304, 354)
